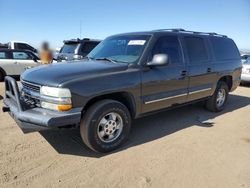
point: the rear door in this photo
(23, 60)
(200, 67)
(165, 86)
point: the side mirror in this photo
(159, 60)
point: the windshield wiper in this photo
(88, 58)
(106, 59)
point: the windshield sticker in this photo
(136, 42)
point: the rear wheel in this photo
(217, 102)
(105, 126)
(1, 76)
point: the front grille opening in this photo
(31, 86)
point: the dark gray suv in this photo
(125, 77)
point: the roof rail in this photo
(193, 32)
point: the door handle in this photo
(209, 70)
(15, 62)
(184, 73)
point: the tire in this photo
(213, 103)
(96, 126)
(2, 75)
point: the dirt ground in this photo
(185, 147)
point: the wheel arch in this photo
(228, 79)
(3, 72)
(123, 97)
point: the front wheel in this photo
(105, 126)
(217, 102)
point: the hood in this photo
(55, 74)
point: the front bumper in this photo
(35, 119)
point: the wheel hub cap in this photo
(221, 97)
(110, 127)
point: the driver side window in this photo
(168, 45)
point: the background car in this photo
(14, 62)
(244, 57)
(245, 75)
(76, 49)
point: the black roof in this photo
(177, 31)
(81, 40)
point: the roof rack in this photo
(192, 32)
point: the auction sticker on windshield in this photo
(136, 42)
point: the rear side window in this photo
(21, 55)
(87, 47)
(224, 48)
(196, 49)
(169, 45)
(3, 55)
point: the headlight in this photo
(55, 92)
(55, 98)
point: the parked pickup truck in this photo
(126, 76)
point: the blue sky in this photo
(55, 21)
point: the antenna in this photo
(80, 29)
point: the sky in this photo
(55, 21)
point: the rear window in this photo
(87, 47)
(224, 48)
(69, 48)
(3, 55)
(196, 49)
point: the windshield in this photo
(69, 48)
(247, 61)
(124, 49)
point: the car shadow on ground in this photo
(1, 97)
(146, 129)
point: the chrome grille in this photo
(30, 86)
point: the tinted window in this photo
(87, 47)
(170, 46)
(224, 48)
(196, 49)
(20, 55)
(69, 48)
(3, 55)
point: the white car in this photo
(15, 62)
(245, 75)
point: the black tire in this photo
(211, 103)
(2, 75)
(91, 123)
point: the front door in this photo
(167, 85)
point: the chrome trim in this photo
(181, 95)
(198, 91)
(22, 81)
(163, 99)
